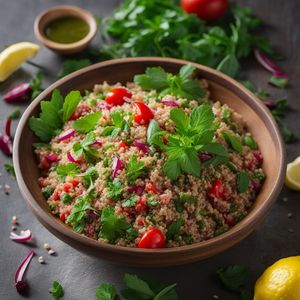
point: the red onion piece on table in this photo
(20, 284)
(18, 93)
(5, 144)
(21, 238)
(141, 146)
(116, 166)
(66, 134)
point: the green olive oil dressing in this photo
(67, 30)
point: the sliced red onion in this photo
(169, 101)
(141, 146)
(137, 189)
(269, 65)
(52, 157)
(205, 157)
(104, 105)
(21, 238)
(258, 156)
(5, 144)
(97, 143)
(116, 166)
(71, 158)
(67, 134)
(18, 93)
(256, 185)
(8, 127)
(20, 284)
(270, 103)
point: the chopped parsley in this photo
(56, 290)
(115, 189)
(173, 229)
(135, 168)
(48, 192)
(181, 85)
(70, 104)
(69, 169)
(84, 148)
(119, 125)
(131, 201)
(106, 291)
(87, 122)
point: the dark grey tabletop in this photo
(80, 275)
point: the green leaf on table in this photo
(87, 123)
(106, 291)
(280, 82)
(72, 65)
(70, 104)
(56, 290)
(10, 169)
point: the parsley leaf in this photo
(131, 201)
(112, 226)
(173, 229)
(135, 168)
(233, 277)
(70, 104)
(84, 147)
(180, 85)
(243, 181)
(120, 124)
(10, 169)
(87, 123)
(152, 131)
(106, 291)
(56, 290)
(115, 189)
(69, 169)
(72, 65)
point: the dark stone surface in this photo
(80, 275)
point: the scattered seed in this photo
(6, 189)
(285, 199)
(291, 230)
(289, 215)
(41, 260)
(51, 252)
(47, 246)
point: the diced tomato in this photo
(140, 220)
(144, 114)
(122, 144)
(64, 215)
(140, 204)
(74, 182)
(55, 196)
(151, 187)
(117, 96)
(217, 190)
(152, 238)
(67, 187)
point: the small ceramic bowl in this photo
(222, 88)
(57, 12)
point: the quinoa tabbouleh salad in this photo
(150, 164)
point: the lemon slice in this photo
(281, 281)
(13, 56)
(292, 178)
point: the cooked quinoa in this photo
(110, 183)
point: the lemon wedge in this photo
(292, 178)
(13, 56)
(281, 281)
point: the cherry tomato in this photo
(144, 114)
(208, 10)
(116, 96)
(122, 144)
(152, 238)
(151, 187)
(217, 190)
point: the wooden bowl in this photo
(260, 123)
(57, 12)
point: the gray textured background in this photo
(80, 275)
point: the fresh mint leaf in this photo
(10, 169)
(232, 141)
(135, 168)
(180, 118)
(153, 129)
(243, 181)
(119, 125)
(69, 169)
(250, 142)
(167, 293)
(229, 65)
(173, 229)
(233, 277)
(112, 226)
(279, 82)
(202, 118)
(70, 104)
(115, 189)
(190, 162)
(215, 148)
(171, 168)
(72, 65)
(106, 291)
(56, 290)
(87, 123)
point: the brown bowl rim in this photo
(80, 12)
(238, 232)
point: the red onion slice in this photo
(67, 134)
(71, 158)
(170, 101)
(116, 166)
(18, 93)
(205, 157)
(137, 189)
(141, 146)
(52, 157)
(21, 238)
(8, 127)
(20, 284)
(5, 144)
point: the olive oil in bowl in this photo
(67, 30)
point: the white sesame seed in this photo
(41, 260)
(47, 246)
(51, 252)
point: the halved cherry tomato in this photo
(152, 238)
(116, 96)
(122, 144)
(144, 114)
(217, 190)
(208, 10)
